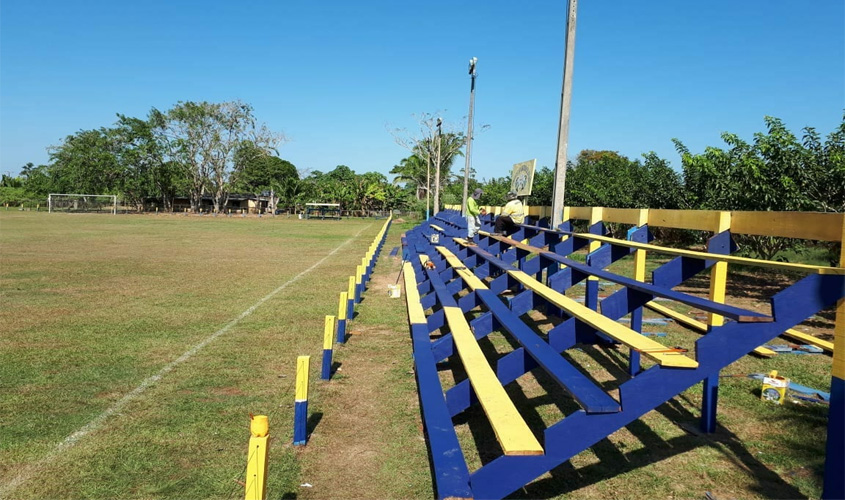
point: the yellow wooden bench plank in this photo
(698, 325)
(809, 339)
(654, 350)
(416, 315)
(438, 228)
(511, 430)
(469, 278)
(717, 257)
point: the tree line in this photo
(195, 150)
(203, 149)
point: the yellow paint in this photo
(359, 273)
(606, 325)
(713, 256)
(719, 274)
(582, 213)
(595, 218)
(640, 255)
(510, 428)
(341, 306)
(809, 339)
(437, 228)
(350, 290)
(256, 468)
(328, 332)
(631, 216)
(259, 425)
(805, 225)
(416, 315)
(302, 366)
(469, 278)
(698, 325)
(703, 220)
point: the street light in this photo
(437, 171)
(472, 63)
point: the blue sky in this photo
(335, 77)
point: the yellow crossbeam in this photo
(717, 257)
(469, 278)
(607, 326)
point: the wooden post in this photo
(834, 464)
(256, 465)
(300, 417)
(328, 343)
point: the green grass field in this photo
(134, 348)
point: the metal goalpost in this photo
(81, 203)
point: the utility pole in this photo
(565, 105)
(437, 171)
(427, 185)
(472, 63)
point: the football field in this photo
(134, 348)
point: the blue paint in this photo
(341, 331)
(326, 371)
(300, 422)
(834, 465)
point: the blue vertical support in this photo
(641, 235)
(721, 243)
(591, 297)
(300, 413)
(328, 342)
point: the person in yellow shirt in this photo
(512, 215)
(473, 213)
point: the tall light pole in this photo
(565, 105)
(427, 185)
(437, 171)
(472, 63)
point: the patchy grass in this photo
(96, 304)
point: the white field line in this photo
(28, 471)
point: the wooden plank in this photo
(703, 220)
(590, 396)
(698, 325)
(469, 278)
(809, 339)
(438, 228)
(580, 212)
(510, 428)
(805, 225)
(607, 326)
(806, 268)
(416, 315)
(623, 216)
(729, 311)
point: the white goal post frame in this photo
(112, 196)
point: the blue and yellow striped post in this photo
(341, 318)
(256, 465)
(358, 287)
(328, 342)
(300, 405)
(350, 299)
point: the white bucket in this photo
(393, 291)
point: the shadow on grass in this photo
(335, 366)
(313, 421)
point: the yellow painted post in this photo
(341, 317)
(640, 255)
(328, 343)
(719, 275)
(591, 297)
(350, 298)
(359, 273)
(256, 465)
(300, 417)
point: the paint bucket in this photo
(259, 426)
(774, 388)
(393, 291)
(434, 238)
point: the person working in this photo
(473, 213)
(512, 215)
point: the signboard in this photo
(522, 177)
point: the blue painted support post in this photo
(721, 243)
(710, 397)
(359, 287)
(328, 342)
(300, 412)
(834, 463)
(639, 234)
(591, 297)
(341, 317)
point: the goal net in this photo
(82, 203)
